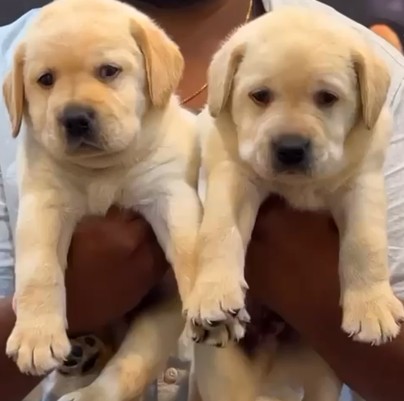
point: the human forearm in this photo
(113, 264)
(374, 372)
(292, 267)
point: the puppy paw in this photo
(215, 310)
(85, 356)
(219, 334)
(372, 315)
(38, 345)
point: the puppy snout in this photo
(78, 121)
(291, 151)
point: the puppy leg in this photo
(320, 382)
(371, 312)
(215, 308)
(38, 341)
(145, 350)
(175, 215)
(297, 367)
(224, 374)
(193, 389)
(194, 395)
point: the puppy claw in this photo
(38, 345)
(243, 316)
(219, 335)
(216, 305)
(373, 315)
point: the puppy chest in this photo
(101, 196)
(304, 198)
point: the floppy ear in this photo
(374, 83)
(13, 90)
(163, 59)
(221, 73)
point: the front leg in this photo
(371, 312)
(38, 342)
(215, 308)
(174, 214)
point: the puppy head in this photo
(86, 73)
(295, 84)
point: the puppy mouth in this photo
(293, 174)
(82, 144)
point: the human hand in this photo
(113, 262)
(292, 260)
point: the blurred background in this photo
(388, 13)
(367, 12)
(386, 16)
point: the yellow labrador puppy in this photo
(94, 82)
(297, 108)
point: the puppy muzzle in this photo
(291, 153)
(79, 124)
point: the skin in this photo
(114, 245)
(301, 282)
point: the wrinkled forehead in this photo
(77, 41)
(297, 60)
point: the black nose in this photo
(78, 121)
(291, 151)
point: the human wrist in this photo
(7, 316)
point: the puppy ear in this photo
(163, 59)
(13, 90)
(221, 72)
(374, 83)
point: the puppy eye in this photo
(325, 98)
(108, 71)
(46, 80)
(262, 96)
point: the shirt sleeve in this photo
(6, 248)
(394, 176)
(9, 37)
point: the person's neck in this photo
(173, 4)
(198, 29)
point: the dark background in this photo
(369, 12)
(366, 12)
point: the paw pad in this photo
(85, 353)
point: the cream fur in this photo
(147, 159)
(295, 53)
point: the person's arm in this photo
(113, 263)
(292, 266)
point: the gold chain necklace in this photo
(200, 90)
